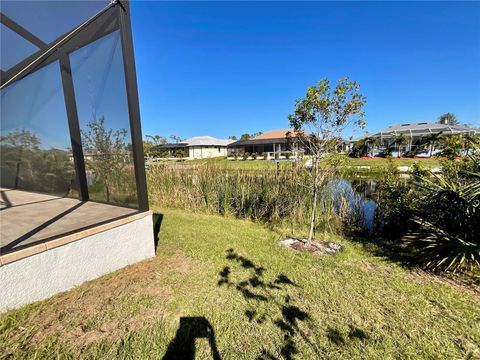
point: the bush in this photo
(180, 153)
(254, 156)
(395, 203)
(386, 153)
(246, 155)
(359, 149)
(448, 221)
(419, 171)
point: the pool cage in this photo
(70, 120)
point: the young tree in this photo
(448, 119)
(109, 152)
(318, 122)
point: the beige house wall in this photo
(204, 152)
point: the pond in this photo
(359, 195)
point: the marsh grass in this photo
(271, 196)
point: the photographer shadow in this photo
(190, 329)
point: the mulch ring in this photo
(316, 246)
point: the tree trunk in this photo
(17, 172)
(107, 190)
(314, 203)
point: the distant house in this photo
(197, 147)
(415, 134)
(274, 141)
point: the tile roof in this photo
(273, 134)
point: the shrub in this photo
(448, 222)
(418, 171)
(359, 149)
(246, 155)
(254, 156)
(180, 153)
(447, 217)
(395, 202)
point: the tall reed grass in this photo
(267, 195)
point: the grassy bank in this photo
(226, 164)
(267, 196)
(235, 290)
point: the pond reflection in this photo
(357, 198)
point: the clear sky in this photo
(227, 68)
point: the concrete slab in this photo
(28, 217)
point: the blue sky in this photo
(226, 68)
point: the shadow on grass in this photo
(394, 251)
(182, 347)
(157, 223)
(254, 287)
(338, 339)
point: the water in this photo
(358, 196)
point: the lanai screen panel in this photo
(35, 141)
(70, 121)
(102, 106)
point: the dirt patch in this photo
(317, 246)
(109, 307)
(180, 263)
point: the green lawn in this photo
(377, 163)
(381, 162)
(234, 290)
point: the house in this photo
(66, 219)
(271, 144)
(414, 133)
(197, 147)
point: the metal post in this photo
(133, 106)
(73, 125)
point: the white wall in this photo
(203, 152)
(44, 274)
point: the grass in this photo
(382, 162)
(225, 284)
(377, 163)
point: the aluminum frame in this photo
(116, 16)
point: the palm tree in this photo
(448, 119)
(372, 143)
(471, 142)
(453, 145)
(399, 140)
(432, 140)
